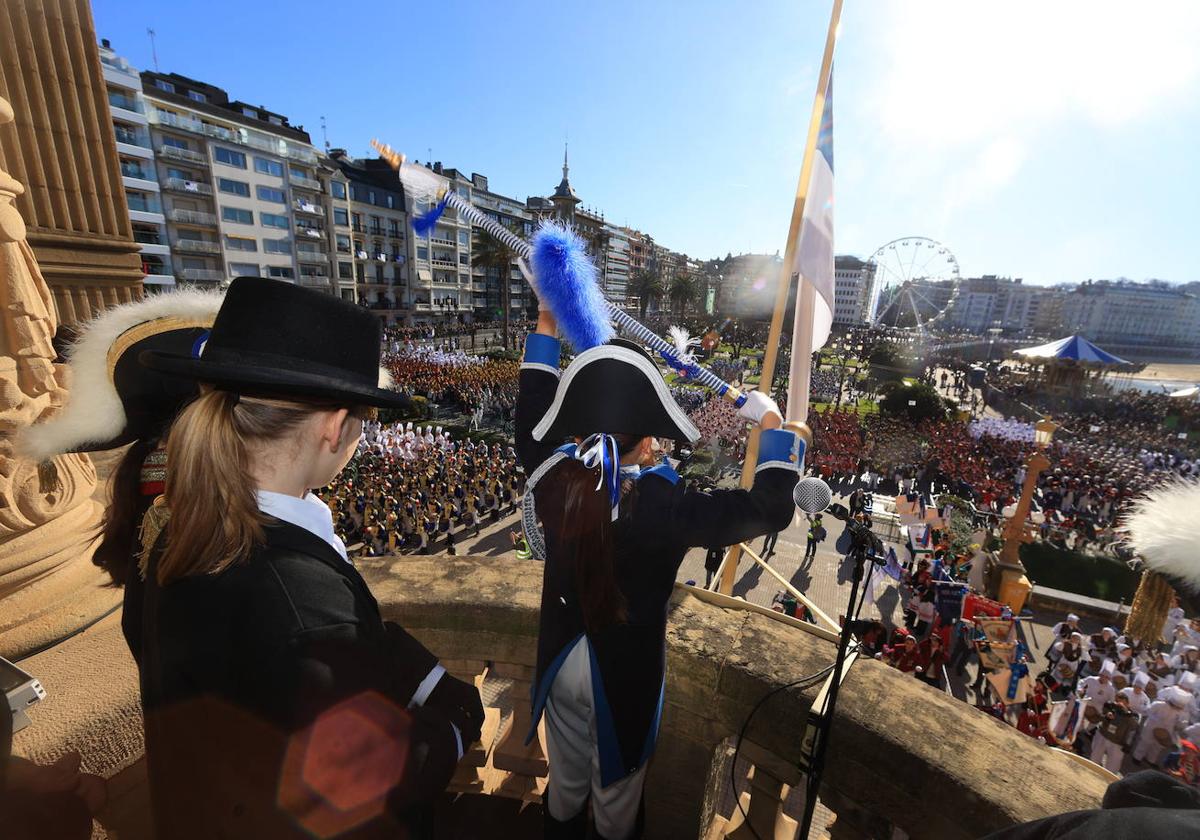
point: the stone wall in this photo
(902, 753)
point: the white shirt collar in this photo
(309, 513)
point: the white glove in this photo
(757, 406)
(528, 275)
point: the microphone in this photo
(812, 495)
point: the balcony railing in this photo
(395, 233)
(187, 186)
(147, 237)
(197, 246)
(141, 205)
(303, 206)
(116, 100)
(305, 183)
(131, 171)
(202, 274)
(375, 230)
(192, 217)
(176, 153)
(357, 227)
(133, 138)
(445, 243)
(311, 256)
(343, 249)
(310, 231)
(442, 264)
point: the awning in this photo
(424, 275)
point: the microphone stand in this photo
(858, 553)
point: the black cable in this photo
(71, 635)
(802, 681)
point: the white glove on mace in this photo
(757, 406)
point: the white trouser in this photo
(1107, 753)
(1148, 748)
(575, 758)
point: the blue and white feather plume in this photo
(566, 284)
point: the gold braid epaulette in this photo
(153, 522)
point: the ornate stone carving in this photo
(48, 517)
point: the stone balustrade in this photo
(903, 756)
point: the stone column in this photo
(48, 518)
(61, 146)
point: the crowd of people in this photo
(467, 382)
(411, 489)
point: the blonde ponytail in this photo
(215, 521)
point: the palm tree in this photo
(491, 253)
(683, 291)
(645, 285)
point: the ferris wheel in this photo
(916, 283)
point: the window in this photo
(277, 246)
(391, 201)
(378, 274)
(237, 214)
(270, 194)
(340, 216)
(465, 259)
(273, 220)
(243, 269)
(343, 243)
(337, 189)
(422, 252)
(274, 120)
(268, 167)
(174, 142)
(464, 238)
(393, 228)
(229, 157)
(249, 112)
(233, 187)
(298, 173)
(197, 96)
(345, 271)
(282, 271)
(162, 84)
(240, 243)
(181, 174)
(371, 196)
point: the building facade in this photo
(616, 264)
(488, 280)
(1150, 318)
(991, 302)
(240, 189)
(853, 290)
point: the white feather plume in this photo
(1162, 529)
(683, 344)
(421, 182)
(94, 412)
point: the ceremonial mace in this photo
(424, 184)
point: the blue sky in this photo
(1051, 141)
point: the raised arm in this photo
(537, 384)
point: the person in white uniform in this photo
(1158, 729)
(1135, 695)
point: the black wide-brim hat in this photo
(614, 388)
(279, 339)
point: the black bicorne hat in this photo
(113, 400)
(275, 338)
(615, 388)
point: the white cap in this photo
(1121, 648)
(1187, 681)
(1177, 697)
(1141, 679)
(1080, 635)
(1107, 669)
(1112, 630)
(1072, 617)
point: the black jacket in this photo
(277, 678)
(667, 519)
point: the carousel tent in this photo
(1074, 348)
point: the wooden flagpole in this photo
(785, 278)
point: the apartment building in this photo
(488, 281)
(441, 290)
(616, 263)
(370, 223)
(1151, 318)
(853, 289)
(139, 176)
(341, 264)
(239, 184)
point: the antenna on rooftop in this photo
(153, 50)
(324, 135)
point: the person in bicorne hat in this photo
(278, 702)
(618, 521)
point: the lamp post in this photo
(1013, 587)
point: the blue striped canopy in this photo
(1074, 348)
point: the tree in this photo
(916, 401)
(645, 285)
(491, 253)
(683, 291)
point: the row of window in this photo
(246, 217)
(254, 270)
(264, 193)
(232, 157)
(248, 243)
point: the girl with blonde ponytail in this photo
(261, 649)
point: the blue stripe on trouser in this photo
(571, 744)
